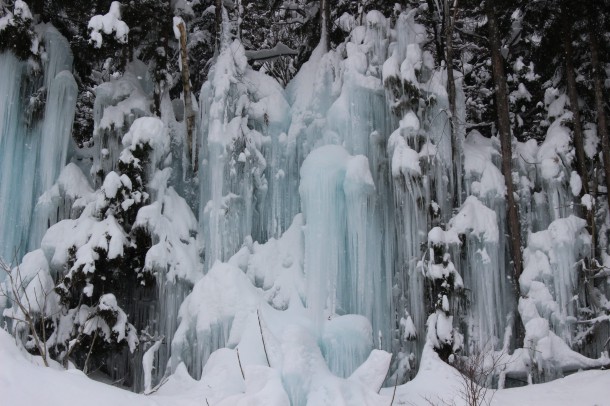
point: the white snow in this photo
(575, 183)
(108, 23)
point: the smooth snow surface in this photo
(436, 382)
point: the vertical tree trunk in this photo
(449, 21)
(240, 13)
(189, 114)
(602, 126)
(514, 227)
(581, 163)
(37, 7)
(325, 23)
(218, 10)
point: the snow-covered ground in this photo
(24, 383)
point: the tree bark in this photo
(581, 163)
(514, 227)
(325, 23)
(189, 114)
(602, 126)
(449, 22)
(218, 10)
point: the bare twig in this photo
(240, 367)
(91, 348)
(262, 337)
(394, 393)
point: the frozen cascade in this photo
(244, 117)
(485, 272)
(30, 142)
(61, 102)
(360, 142)
(424, 185)
(343, 275)
(550, 278)
(323, 203)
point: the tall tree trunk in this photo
(240, 13)
(37, 7)
(514, 227)
(218, 25)
(581, 162)
(602, 126)
(325, 23)
(449, 21)
(189, 114)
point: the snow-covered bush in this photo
(17, 31)
(108, 24)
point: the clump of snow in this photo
(479, 167)
(108, 23)
(21, 10)
(554, 150)
(150, 131)
(32, 286)
(176, 24)
(358, 174)
(575, 183)
(591, 142)
(172, 225)
(440, 330)
(587, 201)
(473, 218)
(346, 22)
(405, 160)
(277, 266)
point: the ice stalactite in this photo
(33, 137)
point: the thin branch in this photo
(240, 367)
(262, 337)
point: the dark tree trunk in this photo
(189, 114)
(218, 10)
(325, 23)
(514, 227)
(581, 163)
(602, 126)
(449, 22)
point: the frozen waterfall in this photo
(34, 141)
